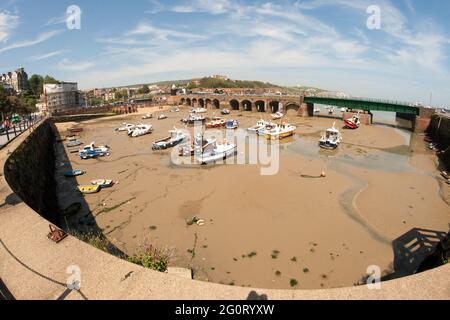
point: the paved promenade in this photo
(32, 267)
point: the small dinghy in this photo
(260, 125)
(126, 127)
(353, 122)
(147, 116)
(75, 130)
(176, 137)
(331, 139)
(89, 189)
(103, 183)
(74, 143)
(226, 112)
(214, 151)
(175, 110)
(73, 173)
(140, 130)
(231, 124)
(162, 117)
(277, 115)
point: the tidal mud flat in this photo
(279, 231)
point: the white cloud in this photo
(209, 6)
(28, 43)
(8, 22)
(161, 33)
(47, 55)
(67, 65)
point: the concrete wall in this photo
(439, 129)
(30, 172)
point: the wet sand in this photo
(263, 231)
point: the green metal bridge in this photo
(365, 104)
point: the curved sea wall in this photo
(30, 170)
(33, 267)
(439, 129)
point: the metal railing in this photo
(8, 134)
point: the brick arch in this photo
(208, 103)
(234, 104)
(291, 106)
(260, 106)
(274, 106)
(188, 101)
(182, 101)
(201, 102)
(247, 105)
(216, 104)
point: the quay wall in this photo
(30, 169)
(33, 267)
(439, 130)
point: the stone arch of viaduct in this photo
(243, 103)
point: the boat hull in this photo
(89, 189)
(277, 136)
(351, 125)
(217, 157)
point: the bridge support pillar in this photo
(423, 120)
(306, 110)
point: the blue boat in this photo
(231, 124)
(88, 154)
(73, 173)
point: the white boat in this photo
(126, 126)
(260, 125)
(176, 137)
(175, 110)
(215, 151)
(101, 150)
(278, 131)
(331, 139)
(162, 117)
(140, 130)
(196, 148)
(147, 116)
(199, 110)
(277, 115)
(102, 183)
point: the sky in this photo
(331, 44)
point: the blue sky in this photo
(322, 43)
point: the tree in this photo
(36, 84)
(50, 80)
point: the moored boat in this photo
(147, 116)
(199, 110)
(215, 151)
(277, 115)
(217, 123)
(92, 151)
(73, 173)
(231, 124)
(260, 125)
(140, 130)
(278, 131)
(102, 183)
(89, 189)
(162, 117)
(125, 127)
(74, 143)
(353, 123)
(175, 110)
(193, 118)
(331, 139)
(176, 137)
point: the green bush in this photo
(151, 257)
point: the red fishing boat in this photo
(353, 122)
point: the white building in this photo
(61, 97)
